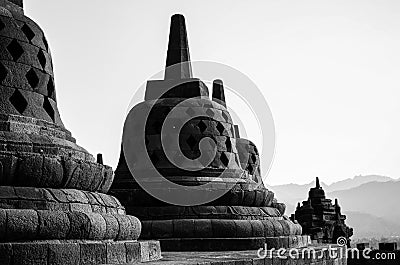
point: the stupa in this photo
(247, 216)
(321, 219)
(53, 203)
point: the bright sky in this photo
(328, 69)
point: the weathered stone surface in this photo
(133, 252)
(34, 253)
(116, 253)
(21, 224)
(6, 253)
(53, 225)
(57, 200)
(64, 254)
(93, 253)
(55, 252)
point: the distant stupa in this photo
(320, 219)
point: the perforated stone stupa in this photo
(53, 203)
(247, 216)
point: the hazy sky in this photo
(328, 69)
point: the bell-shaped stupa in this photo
(245, 216)
(53, 203)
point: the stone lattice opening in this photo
(32, 78)
(18, 101)
(202, 126)
(50, 88)
(48, 108)
(42, 59)
(224, 159)
(15, 49)
(220, 128)
(228, 145)
(28, 32)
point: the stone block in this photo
(97, 226)
(116, 252)
(6, 253)
(80, 225)
(203, 228)
(135, 227)
(34, 253)
(184, 228)
(154, 250)
(93, 253)
(7, 192)
(258, 228)
(124, 227)
(64, 254)
(269, 230)
(132, 251)
(53, 225)
(21, 224)
(228, 228)
(112, 226)
(273, 242)
(162, 229)
(284, 241)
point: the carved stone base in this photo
(76, 252)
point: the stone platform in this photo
(74, 252)
(248, 257)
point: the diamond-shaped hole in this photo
(15, 49)
(190, 112)
(42, 59)
(224, 159)
(191, 141)
(50, 88)
(48, 108)
(18, 101)
(202, 126)
(228, 145)
(3, 72)
(45, 43)
(32, 78)
(210, 113)
(220, 128)
(28, 32)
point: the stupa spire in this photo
(178, 50)
(218, 94)
(317, 185)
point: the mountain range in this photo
(370, 202)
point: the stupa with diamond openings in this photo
(247, 215)
(53, 203)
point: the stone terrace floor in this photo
(239, 258)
